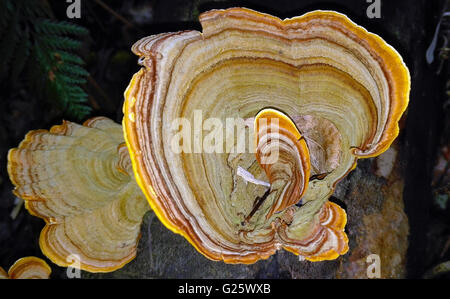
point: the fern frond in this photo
(56, 43)
(68, 57)
(72, 80)
(72, 69)
(43, 49)
(77, 109)
(50, 27)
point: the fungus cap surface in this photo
(342, 88)
(78, 178)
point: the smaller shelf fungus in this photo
(27, 268)
(329, 92)
(78, 178)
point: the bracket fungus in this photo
(336, 91)
(27, 268)
(78, 178)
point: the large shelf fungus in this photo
(78, 178)
(336, 90)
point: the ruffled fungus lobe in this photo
(27, 268)
(79, 179)
(283, 154)
(344, 89)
